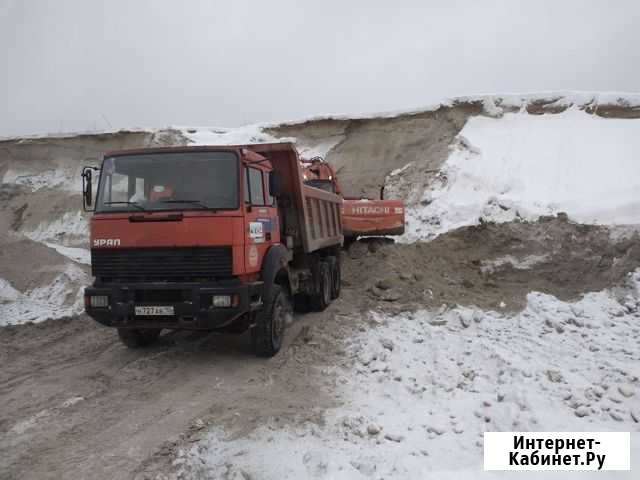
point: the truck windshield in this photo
(169, 181)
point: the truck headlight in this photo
(99, 301)
(221, 300)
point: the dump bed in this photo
(311, 216)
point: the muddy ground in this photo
(494, 266)
(78, 404)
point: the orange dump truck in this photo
(360, 216)
(209, 238)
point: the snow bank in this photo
(228, 136)
(62, 297)
(78, 255)
(493, 104)
(524, 166)
(254, 134)
(419, 390)
(70, 227)
(7, 292)
(60, 179)
(317, 148)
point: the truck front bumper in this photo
(192, 304)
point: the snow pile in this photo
(524, 166)
(309, 149)
(420, 389)
(70, 228)
(60, 298)
(78, 255)
(228, 136)
(489, 266)
(249, 134)
(7, 292)
(58, 179)
(494, 105)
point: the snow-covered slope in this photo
(523, 166)
(497, 157)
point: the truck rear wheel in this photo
(322, 298)
(268, 333)
(334, 267)
(137, 338)
(301, 303)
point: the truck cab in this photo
(209, 238)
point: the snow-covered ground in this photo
(61, 297)
(524, 166)
(420, 389)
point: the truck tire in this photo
(334, 267)
(348, 241)
(301, 303)
(268, 333)
(137, 338)
(321, 300)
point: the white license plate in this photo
(159, 311)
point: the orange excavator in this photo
(360, 216)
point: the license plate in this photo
(157, 311)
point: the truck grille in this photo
(161, 264)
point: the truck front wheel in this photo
(268, 333)
(137, 338)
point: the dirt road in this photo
(78, 404)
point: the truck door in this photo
(261, 228)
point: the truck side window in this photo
(256, 186)
(270, 201)
(247, 195)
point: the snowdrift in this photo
(521, 166)
(418, 391)
(484, 157)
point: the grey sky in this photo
(81, 65)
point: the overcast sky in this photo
(71, 65)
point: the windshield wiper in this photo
(135, 204)
(194, 202)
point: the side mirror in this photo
(87, 188)
(275, 184)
